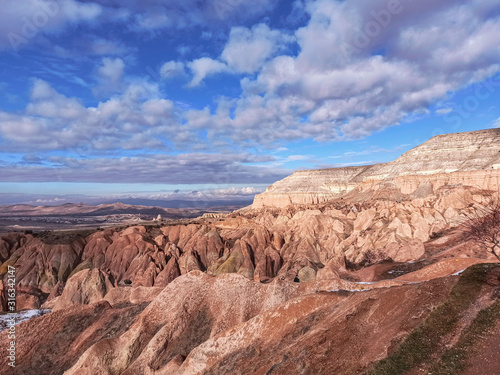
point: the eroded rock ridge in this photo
(468, 159)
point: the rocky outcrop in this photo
(189, 311)
(85, 287)
(51, 344)
(271, 289)
(341, 220)
(315, 334)
(300, 243)
(228, 324)
(40, 263)
(39, 266)
(465, 159)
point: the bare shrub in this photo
(483, 226)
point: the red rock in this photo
(86, 287)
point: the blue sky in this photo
(106, 99)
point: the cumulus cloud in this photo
(112, 69)
(245, 52)
(248, 49)
(341, 83)
(172, 69)
(110, 75)
(138, 118)
(204, 67)
(21, 25)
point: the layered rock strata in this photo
(465, 159)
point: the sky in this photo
(217, 99)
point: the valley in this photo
(352, 284)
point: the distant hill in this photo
(189, 204)
(108, 209)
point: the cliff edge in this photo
(465, 159)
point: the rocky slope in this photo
(468, 159)
(344, 286)
(201, 324)
(301, 243)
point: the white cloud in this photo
(344, 90)
(47, 103)
(111, 71)
(204, 67)
(328, 91)
(21, 25)
(172, 69)
(248, 49)
(136, 119)
(245, 52)
(54, 200)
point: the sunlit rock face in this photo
(311, 224)
(336, 259)
(228, 324)
(297, 242)
(467, 159)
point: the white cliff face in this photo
(467, 159)
(459, 152)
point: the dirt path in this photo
(443, 268)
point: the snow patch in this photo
(20, 317)
(459, 272)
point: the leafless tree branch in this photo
(483, 226)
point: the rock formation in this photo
(86, 287)
(201, 324)
(303, 281)
(467, 159)
(300, 243)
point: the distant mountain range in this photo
(82, 209)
